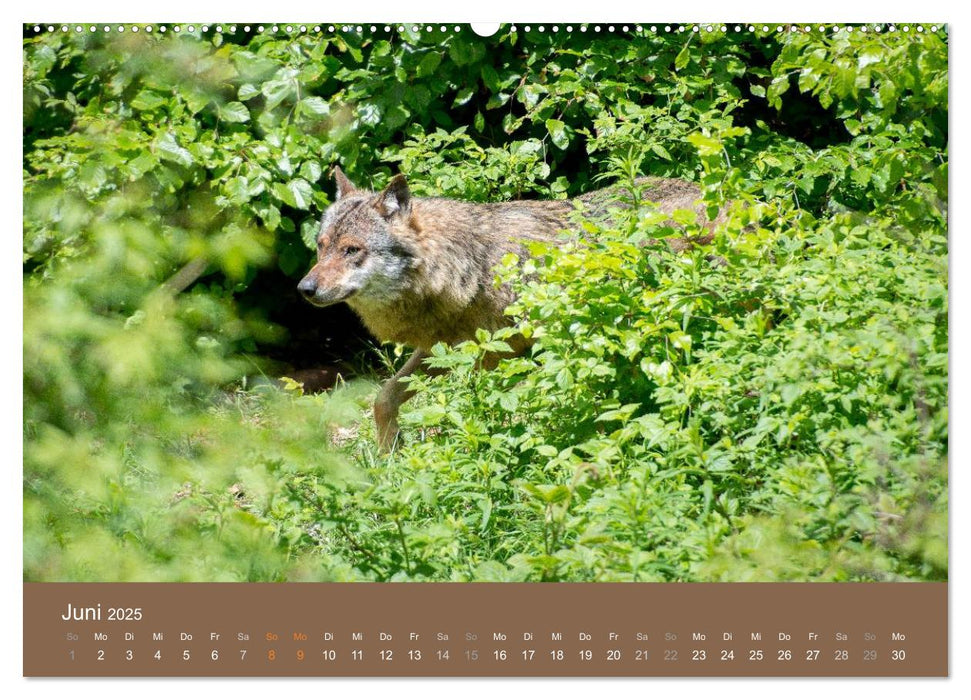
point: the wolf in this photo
(419, 271)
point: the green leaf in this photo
(558, 133)
(490, 77)
(369, 113)
(844, 82)
(92, 176)
(310, 170)
(196, 100)
(463, 96)
(509, 401)
(681, 60)
(706, 145)
(868, 56)
(661, 151)
(685, 217)
(238, 190)
(418, 98)
(622, 414)
(142, 164)
(315, 106)
(247, 92)
(680, 340)
(427, 415)
(276, 91)
(853, 126)
(308, 233)
(147, 101)
(548, 494)
(169, 149)
(807, 79)
(510, 122)
(234, 112)
(253, 68)
(271, 217)
(777, 88)
(464, 52)
(530, 95)
(297, 193)
(429, 63)
(486, 515)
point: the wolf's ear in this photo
(395, 199)
(344, 186)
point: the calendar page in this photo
(389, 349)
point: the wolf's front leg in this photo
(389, 400)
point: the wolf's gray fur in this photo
(421, 270)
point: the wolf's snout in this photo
(307, 287)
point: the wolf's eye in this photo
(351, 250)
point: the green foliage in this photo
(681, 419)
(771, 405)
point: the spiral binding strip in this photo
(299, 29)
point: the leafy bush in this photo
(769, 406)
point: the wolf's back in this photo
(450, 291)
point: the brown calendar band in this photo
(485, 629)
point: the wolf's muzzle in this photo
(311, 290)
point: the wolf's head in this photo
(361, 258)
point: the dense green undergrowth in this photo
(769, 406)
